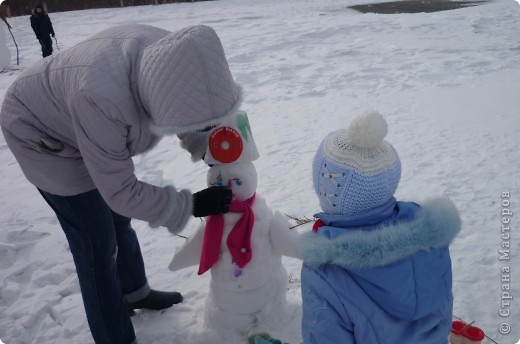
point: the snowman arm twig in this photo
(299, 220)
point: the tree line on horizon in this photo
(24, 7)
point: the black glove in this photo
(212, 201)
(53, 35)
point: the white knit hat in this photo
(355, 170)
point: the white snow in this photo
(448, 84)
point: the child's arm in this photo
(283, 239)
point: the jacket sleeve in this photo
(35, 27)
(102, 141)
(51, 29)
(322, 320)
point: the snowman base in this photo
(268, 303)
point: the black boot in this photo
(156, 300)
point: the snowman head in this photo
(240, 177)
(231, 142)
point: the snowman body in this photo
(257, 288)
(260, 286)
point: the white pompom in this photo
(367, 130)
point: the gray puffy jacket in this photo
(74, 120)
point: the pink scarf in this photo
(238, 241)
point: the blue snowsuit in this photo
(380, 278)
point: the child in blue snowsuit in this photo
(376, 270)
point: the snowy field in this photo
(448, 84)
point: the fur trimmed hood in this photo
(185, 83)
(40, 6)
(435, 225)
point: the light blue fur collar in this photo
(436, 224)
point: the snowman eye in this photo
(237, 181)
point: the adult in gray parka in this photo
(75, 119)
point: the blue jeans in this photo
(108, 262)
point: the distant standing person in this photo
(42, 26)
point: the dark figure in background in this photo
(42, 26)
(3, 15)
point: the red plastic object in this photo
(225, 145)
(470, 332)
(457, 326)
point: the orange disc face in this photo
(225, 144)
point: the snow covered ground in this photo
(448, 84)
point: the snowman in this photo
(242, 249)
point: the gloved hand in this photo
(53, 35)
(212, 201)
